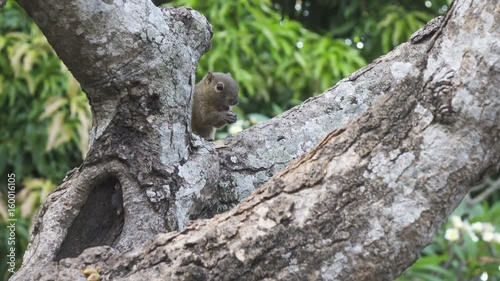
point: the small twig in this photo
(493, 186)
(484, 182)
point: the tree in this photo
(382, 158)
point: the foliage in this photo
(374, 27)
(466, 248)
(40, 102)
(398, 25)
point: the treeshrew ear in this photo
(229, 74)
(210, 77)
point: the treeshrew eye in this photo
(220, 86)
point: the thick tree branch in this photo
(253, 156)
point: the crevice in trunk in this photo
(99, 222)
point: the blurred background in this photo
(280, 53)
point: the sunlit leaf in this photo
(16, 57)
(52, 105)
(55, 131)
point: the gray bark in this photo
(381, 159)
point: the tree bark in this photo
(381, 159)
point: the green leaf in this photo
(448, 274)
(397, 34)
(471, 248)
(459, 251)
(422, 262)
(52, 105)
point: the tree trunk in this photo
(381, 159)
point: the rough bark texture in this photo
(401, 142)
